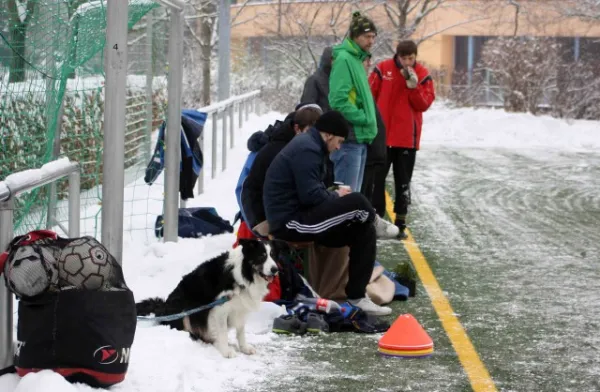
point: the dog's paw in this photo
(229, 352)
(248, 349)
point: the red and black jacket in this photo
(401, 108)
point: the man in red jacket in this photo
(402, 89)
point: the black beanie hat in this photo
(361, 24)
(333, 122)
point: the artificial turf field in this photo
(513, 240)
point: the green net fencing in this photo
(52, 99)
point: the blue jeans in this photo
(349, 164)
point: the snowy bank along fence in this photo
(223, 118)
(15, 185)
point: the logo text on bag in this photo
(106, 355)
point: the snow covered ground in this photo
(166, 360)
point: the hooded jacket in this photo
(316, 87)
(349, 91)
(252, 187)
(256, 141)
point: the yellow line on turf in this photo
(476, 371)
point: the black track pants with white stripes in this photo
(346, 221)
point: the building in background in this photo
(453, 35)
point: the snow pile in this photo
(469, 127)
(31, 176)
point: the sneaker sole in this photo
(314, 330)
(285, 332)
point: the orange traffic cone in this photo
(406, 338)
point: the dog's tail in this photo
(151, 305)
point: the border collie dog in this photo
(242, 275)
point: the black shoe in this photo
(289, 324)
(315, 323)
(401, 224)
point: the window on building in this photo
(461, 53)
(589, 49)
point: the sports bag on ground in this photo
(80, 320)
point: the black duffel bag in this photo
(81, 322)
(84, 335)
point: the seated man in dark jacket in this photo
(252, 188)
(300, 208)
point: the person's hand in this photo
(411, 77)
(343, 191)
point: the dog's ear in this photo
(251, 245)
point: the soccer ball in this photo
(30, 270)
(84, 263)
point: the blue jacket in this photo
(294, 181)
(238, 188)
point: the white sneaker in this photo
(370, 307)
(385, 229)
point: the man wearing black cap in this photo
(299, 207)
(251, 196)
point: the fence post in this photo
(231, 135)
(240, 114)
(247, 105)
(113, 158)
(173, 134)
(224, 141)
(6, 301)
(487, 86)
(224, 48)
(149, 81)
(51, 104)
(470, 59)
(215, 119)
(74, 203)
(52, 190)
(201, 174)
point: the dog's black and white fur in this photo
(242, 274)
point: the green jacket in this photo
(349, 91)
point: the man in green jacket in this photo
(350, 94)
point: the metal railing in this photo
(14, 185)
(224, 111)
(226, 108)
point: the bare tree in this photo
(578, 91)
(201, 39)
(20, 14)
(588, 10)
(525, 68)
(406, 16)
